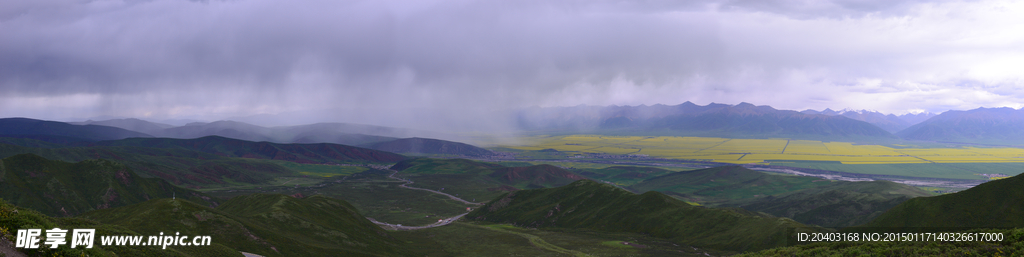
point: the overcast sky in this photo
(390, 62)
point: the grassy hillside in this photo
(535, 176)
(28, 142)
(375, 196)
(180, 167)
(59, 188)
(998, 203)
(29, 127)
(727, 183)
(300, 153)
(586, 204)
(1012, 245)
(443, 166)
(269, 225)
(624, 175)
(839, 204)
(321, 222)
(151, 128)
(430, 146)
(479, 180)
(13, 218)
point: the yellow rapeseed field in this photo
(766, 150)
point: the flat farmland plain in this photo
(775, 151)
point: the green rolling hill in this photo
(60, 132)
(808, 200)
(624, 175)
(13, 218)
(151, 128)
(839, 204)
(535, 176)
(720, 185)
(443, 166)
(590, 205)
(269, 225)
(322, 222)
(998, 203)
(28, 142)
(430, 146)
(204, 162)
(59, 188)
(180, 167)
(479, 180)
(299, 153)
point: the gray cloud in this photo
(388, 61)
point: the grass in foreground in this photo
(375, 196)
(1013, 245)
(473, 238)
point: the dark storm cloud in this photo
(261, 43)
(465, 60)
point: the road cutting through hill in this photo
(407, 182)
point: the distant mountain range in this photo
(338, 133)
(999, 126)
(994, 126)
(689, 119)
(888, 122)
(88, 133)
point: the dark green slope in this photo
(59, 188)
(181, 167)
(727, 183)
(269, 225)
(537, 176)
(44, 130)
(624, 175)
(299, 153)
(441, 166)
(590, 205)
(132, 124)
(178, 216)
(223, 128)
(430, 146)
(331, 225)
(13, 218)
(1011, 245)
(998, 203)
(839, 204)
(28, 142)
(464, 178)
(478, 180)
